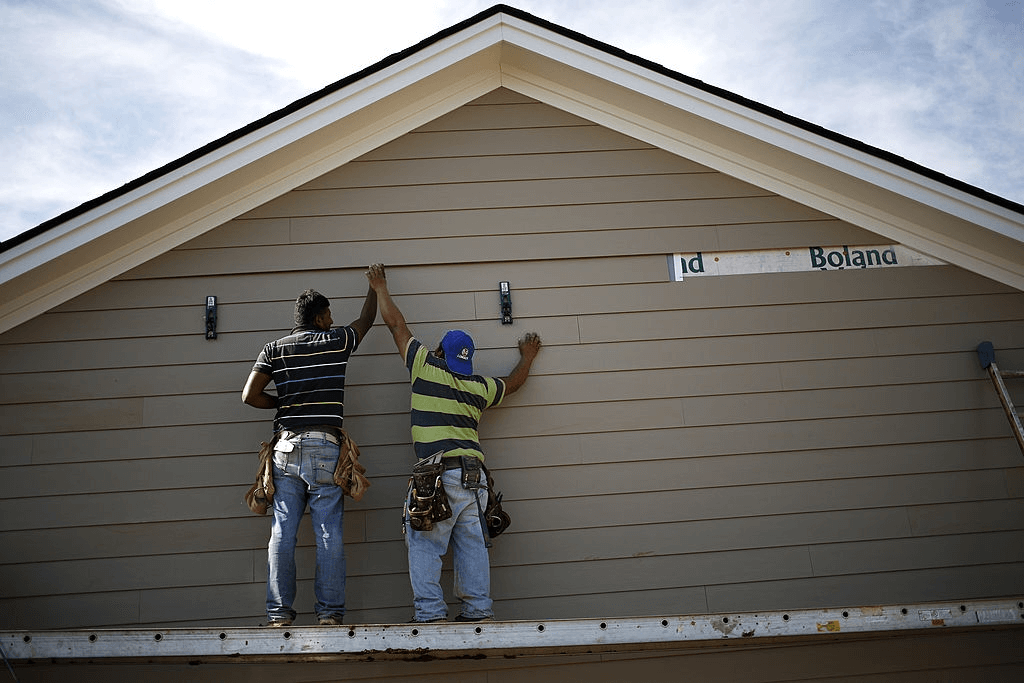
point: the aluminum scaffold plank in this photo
(501, 638)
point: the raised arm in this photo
(529, 346)
(389, 311)
(367, 316)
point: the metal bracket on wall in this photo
(987, 358)
(211, 317)
(505, 295)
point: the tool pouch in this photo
(496, 519)
(428, 502)
(261, 494)
(471, 469)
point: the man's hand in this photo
(389, 311)
(529, 345)
(377, 277)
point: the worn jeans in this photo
(469, 554)
(306, 474)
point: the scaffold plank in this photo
(499, 638)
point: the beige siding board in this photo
(71, 611)
(923, 428)
(595, 577)
(171, 605)
(122, 353)
(487, 195)
(122, 382)
(814, 404)
(895, 444)
(71, 416)
(15, 450)
(128, 444)
(1015, 481)
(695, 470)
(689, 225)
(247, 533)
(119, 508)
(593, 510)
(499, 116)
(612, 415)
(501, 96)
(126, 540)
(128, 475)
(755, 500)
(886, 555)
(124, 573)
(936, 368)
(441, 144)
(631, 218)
(569, 419)
(106, 324)
(633, 162)
(952, 518)
(156, 411)
(682, 600)
(794, 352)
(701, 536)
(851, 315)
(262, 231)
(926, 585)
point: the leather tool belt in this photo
(427, 502)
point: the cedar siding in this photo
(735, 443)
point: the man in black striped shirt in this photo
(308, 368)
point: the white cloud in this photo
(99, 92)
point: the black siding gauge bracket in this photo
(211, 317)
(505, 294)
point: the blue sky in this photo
(96, 93)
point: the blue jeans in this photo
(306, 474)
(472, 564)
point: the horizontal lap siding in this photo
(724, 444)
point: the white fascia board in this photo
(790, 141)
(465, 52)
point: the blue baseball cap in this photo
(458, 351)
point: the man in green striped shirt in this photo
(447, 402)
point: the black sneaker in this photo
(463, 617)
(279, 623)
(331, 621)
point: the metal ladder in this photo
(987, 357)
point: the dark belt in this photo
(452, 463)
